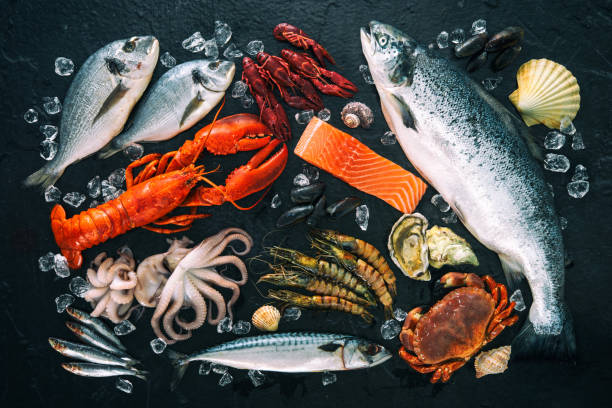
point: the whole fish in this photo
(96, 324)
(180, 99)
(98, 102)
(477, 155)
(101, 370)
(289, 353)
(86, 353)
(91, 337)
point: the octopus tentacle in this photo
(120, 283)
(198, 304)
(122, 297)
(237, 262)
(211, 276)
(216, 297)
(101, 305)
(171, 315)
(94, 293)
(92, 277)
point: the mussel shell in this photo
(505, 38)
(307, 194)
(408, 247)
(319, 211)
(477, 61)
(343, 207)
(294, 215)
(506, 57)
(471, 46)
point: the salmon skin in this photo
(345, 157)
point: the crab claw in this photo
(235, 133)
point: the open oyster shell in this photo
(408, 248)
(448, 248)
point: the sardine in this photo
(477, 155)
(180, 99)
(289, 353)
(87, 353)
(98, 102)
(101, 370)
(91, 337)
(96, 324)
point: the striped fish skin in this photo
(91, 337)
(96, 324)
(86, 353)
(101, 370)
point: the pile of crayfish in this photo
(293, 73)
(166, 182)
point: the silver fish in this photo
(98, 102)
(96, 324)
(86, 353)
(91, 337)
(289, 353)
(180, 99)
(477, 155)
(101, 370)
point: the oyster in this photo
(448, 248)
(408, 248)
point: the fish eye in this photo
(372, 349)
(383, 40)
(214, 65)
(129, 46)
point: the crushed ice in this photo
(225, 325)
(254, 47)
(167, 60)
(48, 131)
(517, 298)
(78, 286)
(48, 149)
(324, 114)
(442, 40)
(30, 116)
(257, 377)
(124, 385)
(554, 140)
(194, 43)
(60, 265)
(276, 201)
(388, 138)
(63, 301)
(557, 163)
(52, 105)
(64, 66)
(292, 313)
(365, 73)
(439, 202)
(158, 345)
(301, 180)
(328, 378)
(362, 216)
(123, 328)
(304, 116)
(74, 199)
(52, 194)
(390, 329)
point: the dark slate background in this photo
(34, 33)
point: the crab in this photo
(447, 336)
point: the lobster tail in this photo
(58, 219)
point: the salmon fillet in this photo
(345, 157)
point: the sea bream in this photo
(177, 101)
(99, 101)
(478, 155)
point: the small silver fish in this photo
(101, 370)
(96, 324)
(98, 102)
(86, 353)
(91, 337)
(180, 99)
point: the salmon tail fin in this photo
(180, 363)
(530, 345)
(44, 177)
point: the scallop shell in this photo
(492, 362)
(408, 248)
(266, 318)
(547, 92)
(357, 114)
(448, 248)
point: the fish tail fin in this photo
(180, 363)
(142, 374)
(110, 149)
(44, 177)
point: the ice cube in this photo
(64, 66)
(158, 345)
(79, 286)
(563, 222)
(232, 52)
(74, 199)
(451, 218)
(48, 131)
(578, 142)
(254, 47)
(292, 313)
(124, 385)
(517, 298)
(457, 36)
(60, 265)
(109, 192)
(276, 201)
(580, 173)
(439, 202)
(399, 314)
(479, 26)
(46, 262)
(52, 105)
(567, 126)
(239, 89)
(167, 60)
(123, 328)
(94, 187)
(365, 73)
(210, 49)
(194, 43)
(554, 140)
(442, 40)
(578, 189)
(328, 378)
(311, 172)
(257, 377)
(491, 83)
(556, 162)
(241, 327)
(431, 46)
(324, 114)
(362, 216)
(222, 34)
(388, 138)
(225, 325)
(117, 178)
(390, 328)
(134, 151)
(52, 194)
(48, 149)
(219, 369)
(246, 100)
(63, 301)
(205, 368)
(30, 116)
(304, 116)
(94, 204)
(301, 180)
(226, 379)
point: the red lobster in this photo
(287, 32)
(277, 72)
(304, 65)
(170, 181)
(271, 111)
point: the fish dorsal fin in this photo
(404, 111)
(191, 107)
(330, 347)
(113, 98)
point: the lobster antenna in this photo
(212, 125)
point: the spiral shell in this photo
(266, 318)
(351, 120)
(492, 362)
(357, 114)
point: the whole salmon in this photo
(477, 155)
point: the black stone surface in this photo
(34, 33)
